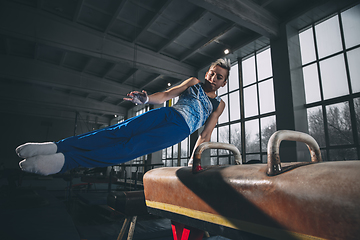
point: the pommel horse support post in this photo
(292, 200)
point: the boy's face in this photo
(216, 77)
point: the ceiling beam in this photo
(153, 19)
(50, 75)
(119, 7)
(146, 84)
(56, 32)
(78, 10)
(28, 109)
(49, 98)
(245, 13)
(108, 70)
(63, 58)
(129, 75)
(187, 24)
(251, 38)
(215, 35)
(151, 81)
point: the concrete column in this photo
(289, 91)
(285, 118)
(298, 90)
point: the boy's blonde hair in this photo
(224, 63)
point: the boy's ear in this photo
(224, 83)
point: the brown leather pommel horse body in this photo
(312, 200)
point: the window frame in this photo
(325, 103)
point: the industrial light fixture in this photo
(226, 51)
(169, 84)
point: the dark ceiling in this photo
(64, 56)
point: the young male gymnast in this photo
(152, 131)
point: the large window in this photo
(248, 126)
(330, 54)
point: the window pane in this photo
(235, 135)
(248, 71)
(343, 154)
(184, 162)
(184, 148)
(266, 92)
(214, 139)
(316, 124)
(175, 151)
(169, 152)
(234, 78)
(164, 153)
(224, 161)
(264, 64)
(222, 90)
(307, 47)
(252, 136)
(223, 138)
(224, 134)
(224, 117)
(333, 77)
(339, 124)
(311, 81)
(328, 37)
(213, 161)
(250, 101)
(357, 113)
(264, 158)
(354, 69)
(351, 25)
(235, 106)
(268, 127)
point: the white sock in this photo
(43, 164)
(28, 150)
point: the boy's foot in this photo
(43, 164)
(28, 150)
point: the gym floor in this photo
(42, 209)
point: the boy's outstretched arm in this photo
(161, 97)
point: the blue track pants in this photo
(147, 133)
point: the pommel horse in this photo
(292, 200)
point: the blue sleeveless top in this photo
(195, 106)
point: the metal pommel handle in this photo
(196, 167)
(273, 162)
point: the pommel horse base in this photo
(311, 200)
(132, 205)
